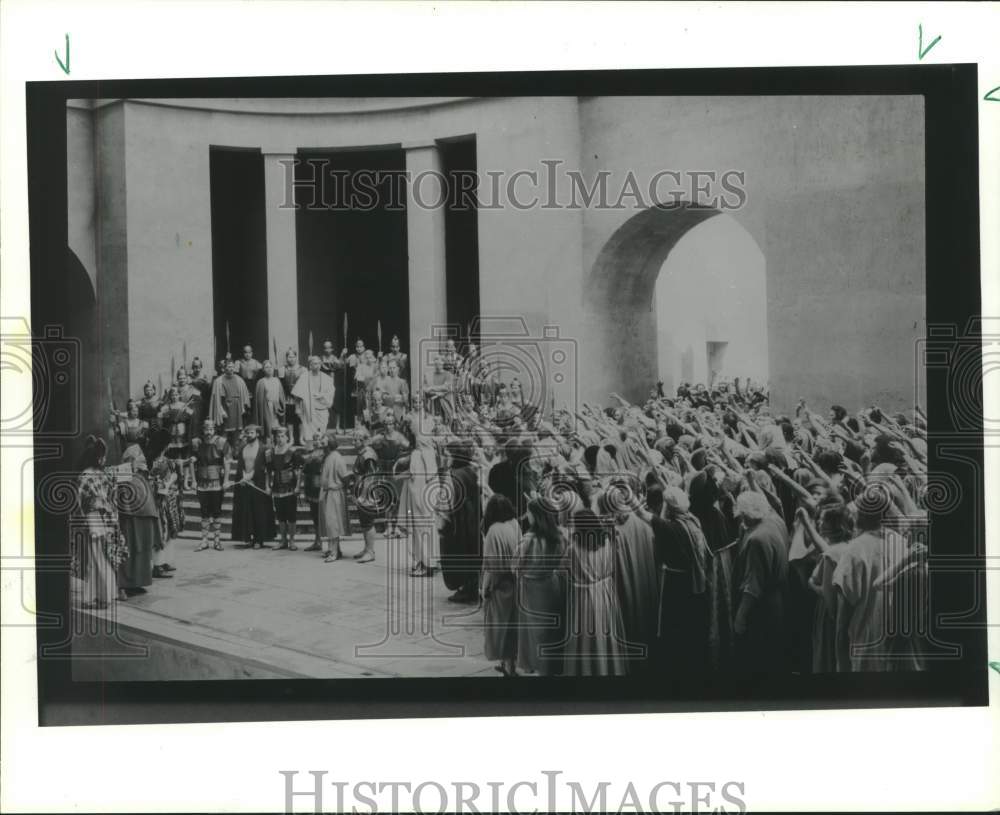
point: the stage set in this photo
(194, 224)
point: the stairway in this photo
(304, 531)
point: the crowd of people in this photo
(695, 532)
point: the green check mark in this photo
(921, 51)
(64, 66)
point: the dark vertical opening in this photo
(239, 251)
(351, 247)
(458, 163)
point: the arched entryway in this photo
(622, 299)
(710, 303)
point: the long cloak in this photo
(416, 518)
(499, 589)
(268, 404)
(594, 635)
(230, 400)
(314, 395)
(461, 540)
(638, 588)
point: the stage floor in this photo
(291, 612)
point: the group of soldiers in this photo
(208, 432)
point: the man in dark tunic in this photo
(461, 539)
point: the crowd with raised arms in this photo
(695, 532)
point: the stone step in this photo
(304, 525)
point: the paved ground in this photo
(339, 619)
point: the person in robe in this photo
(636, 583)
(461, 535)
(289, 376)
(760, 575)
(335, 367)
(311, 485)
(230, 402)
(99, 548)
(140, 524)
(253, 510)
(129, 427)
(683, 559)
(860, 605)
(269, 401)
(313, 393)
(594, 633)
(284, 463)
(540, 601)
(828, 534)
(175, 418)
(333, 518)
(498, 585)
(417, 518)
(706, 495)
(210, 465)
(166, 476)
(438, 391)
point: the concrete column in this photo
(425, 245)
(282, 267)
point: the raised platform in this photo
(267, 613)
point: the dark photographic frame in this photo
(953, 308)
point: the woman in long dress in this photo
(594, 636)
(540, 605)
(333, 519)
(417, 518)
(140, 524)
(498, 585)
(269, 400)
(253, 509)
(99, 547)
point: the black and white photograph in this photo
(498, 387)
(456, 407)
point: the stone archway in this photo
(620, 292)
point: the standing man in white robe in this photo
(313, 395)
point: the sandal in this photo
(366, 557)
(331, 559)
(203, 547)
(217, 546)
(292, 547)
